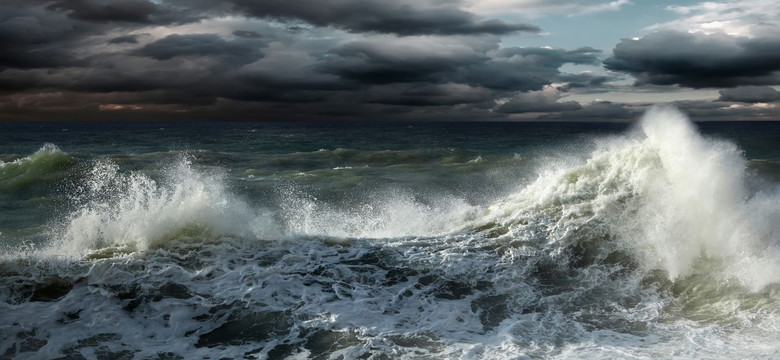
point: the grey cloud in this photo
(399, 73)
(428, 94)
(423, 60)
(180, 76)
(138, 11)
(135, 12)
(750, 94)
(387, 60)
(726, 111)
(397, 17)
(200, 45)
(286, 69)
(125, 39)
(589, 81)
(554, 57)
(698, 60)
(537, 101)
(597, 111)
(525, 69)
(35, 38)
(383, 60)
(247, 34)
(122, 78)
(606, 110)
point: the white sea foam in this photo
(671, 196)
(387, 214)
(699, 206)
(665, 194)
(533, 275)
(133, 212)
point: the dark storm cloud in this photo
(428, 94)
(128, 13)
(698, 110)
(553, 57)
(35, 38)
(381, 16)
(383, 60)
(598, 111)
(125, 39)
(750, 94)
(139, 11)
(537, 101)
(54, 34)
(698, 60)
(726, 111)
(29, 57)
(123, 78)
(399, 75)
(201, 45)
(525, 69)
(247, 34)
(590, 82)
(425, 59)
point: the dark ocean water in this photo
(177, 240)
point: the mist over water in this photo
(420, 241)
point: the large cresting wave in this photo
(662, 196)
(665, 195)
(656, 243)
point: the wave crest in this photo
(125, 212)
(44, 166)
(668, 196)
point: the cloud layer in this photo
(356, 59)
(698, 60)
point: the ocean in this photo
(381, 240)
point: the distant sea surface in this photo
(366, 240)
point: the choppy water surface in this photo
(659, 239)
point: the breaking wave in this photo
(121, 212)
(45, 166)
(667, 196)
(651, 245)
(663, 196)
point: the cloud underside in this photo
(343, 59)
(698, 60)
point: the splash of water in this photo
(133, 212)
(555, 269)
(668, 196)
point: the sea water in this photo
(364, 240)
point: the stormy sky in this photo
(491, 60)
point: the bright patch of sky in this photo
(601, 25)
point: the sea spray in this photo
(699, 206)
(664, 196)
(388, 213)
(642, 244)
(667, 196)
(129, 211)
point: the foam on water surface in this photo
(134, 211)
(651, 246)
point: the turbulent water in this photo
(658, 239)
